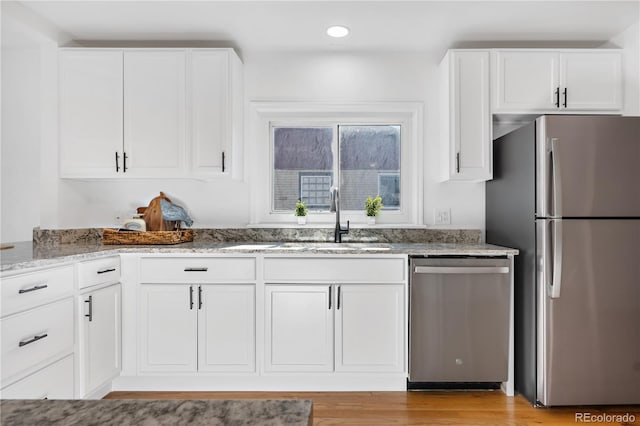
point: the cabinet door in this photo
(370, 332)
(100, 338)
(226, 327)
(526, 81)
(210, 119)
(90, 112)
(592, 80)
(154, 112)
(299, 328)
(168, 328)
(470, 123)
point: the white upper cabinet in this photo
(149, 113)
(466, 123)
(215, 100)
(557, 81)
(592, 81)
(90, 112)
(526, 80)
(154, 112)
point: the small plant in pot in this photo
(301, 212)
(372, 207)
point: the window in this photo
(365, 152)
(304, 159)
(301, 149)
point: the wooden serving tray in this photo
(115, 236)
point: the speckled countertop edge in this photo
(25, 255)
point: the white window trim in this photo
(265, 114)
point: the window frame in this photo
(267, 115)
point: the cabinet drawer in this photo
(34, 336)
(99, 271)
(52, 382)
(197, 269)
(26, 291)
(323, 269)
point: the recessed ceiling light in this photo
(338, 31)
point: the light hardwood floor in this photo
(411, 408)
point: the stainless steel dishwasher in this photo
(459, 322)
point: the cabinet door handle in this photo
(33, 339)
(338, 304)
(329, 297)
(34, 288)
(557, 93)
(223, 162)
(199, 297)
(117, 162)
(196, 269)
(457, 162)
(90, 314)
(191, 297)
(104, 271)
(124, 162)
(564, 93)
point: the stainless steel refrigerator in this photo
(566, 192)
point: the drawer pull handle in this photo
(461, 270)
(34, 339)
(196, 269)
(104, 271)
(34, 288)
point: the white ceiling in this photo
(417, 25)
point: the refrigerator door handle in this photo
(556, 279)
(556, 182)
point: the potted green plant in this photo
(301, 212)
(372, 207)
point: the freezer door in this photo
(587, 166)
(588, 289)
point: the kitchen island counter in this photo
(156, 412)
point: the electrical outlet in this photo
(442, 216)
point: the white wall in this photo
(29, 49)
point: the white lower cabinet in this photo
(168, 328)
(189, 328)
(299, 328)
(370, 328)
(226, 328)
(52, 382)
(339, 327)
(100, 332)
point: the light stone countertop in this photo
(25, 255)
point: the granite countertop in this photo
(27, 255)
(156, 412)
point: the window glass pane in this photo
(369, 165)
(389, 190)
(302, 167)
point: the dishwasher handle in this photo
(461, 270)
